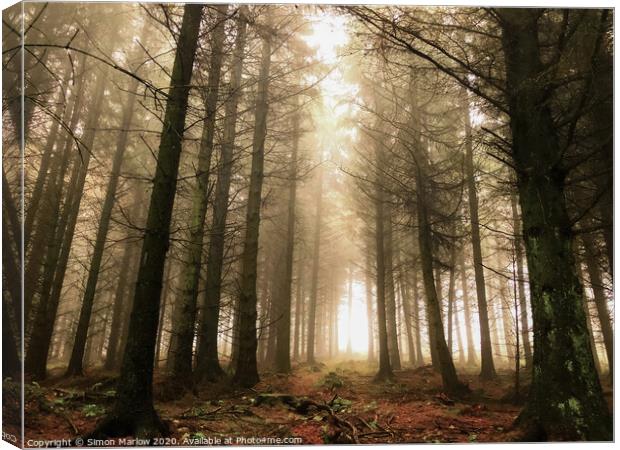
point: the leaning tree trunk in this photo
(600, 299)
(436, 333)
(246, 371)
(12, 249)
(77, 354)
(12, 325)
(437, 337)
(42, 175)
(57, 254)
(133, 412)
(185, 319)
(48, 218)
(566, 399)
(487, 367)
(111, 359)
(207, 360)
(78, 180)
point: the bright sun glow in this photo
(329, 36)
(359, 321)
(329, 32)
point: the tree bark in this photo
(133, 412)
(43, 175)
(48, 214)
(444, 361)
(314, 282)
(566, 399)
(185, 320)
(77, 354)
(246, 372)
(283, 296)
(525, 328)
(111, 358)
(416, 321)
(298, 312)
(471, 352)
(405, 297)
(207, 360)
(12, 325)
(487, 367)
(369, 308)
(390, 297)
(59, 247)
(451, 294)
(385, 369)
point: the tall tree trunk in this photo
(471, 351)
(12, 249)
(487, 367)
(390, 298)
(451, 294)
(597, 362)
(185, 321)
(431, 336)
(369, 308)
(437, 338)
(525, 328)
(12, 324)
(559, 406)
(416, 321)
(459, 339)
(77, 354)
(405, 298)
(246, 372)
(165, 303)
(271, 322)
(48, 215)
(42, 175)
(330, 319)
(133, 412)
(111, 359)
(283, 327)
(74, 199)
(207, 360)
(507, 320)
(314, 282)
(298, 312)
(385, 368)
(59, 247)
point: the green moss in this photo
(546, 304)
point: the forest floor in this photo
(333, 403)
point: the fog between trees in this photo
(220, 191)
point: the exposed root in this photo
(146, 425)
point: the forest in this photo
(303, 224)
